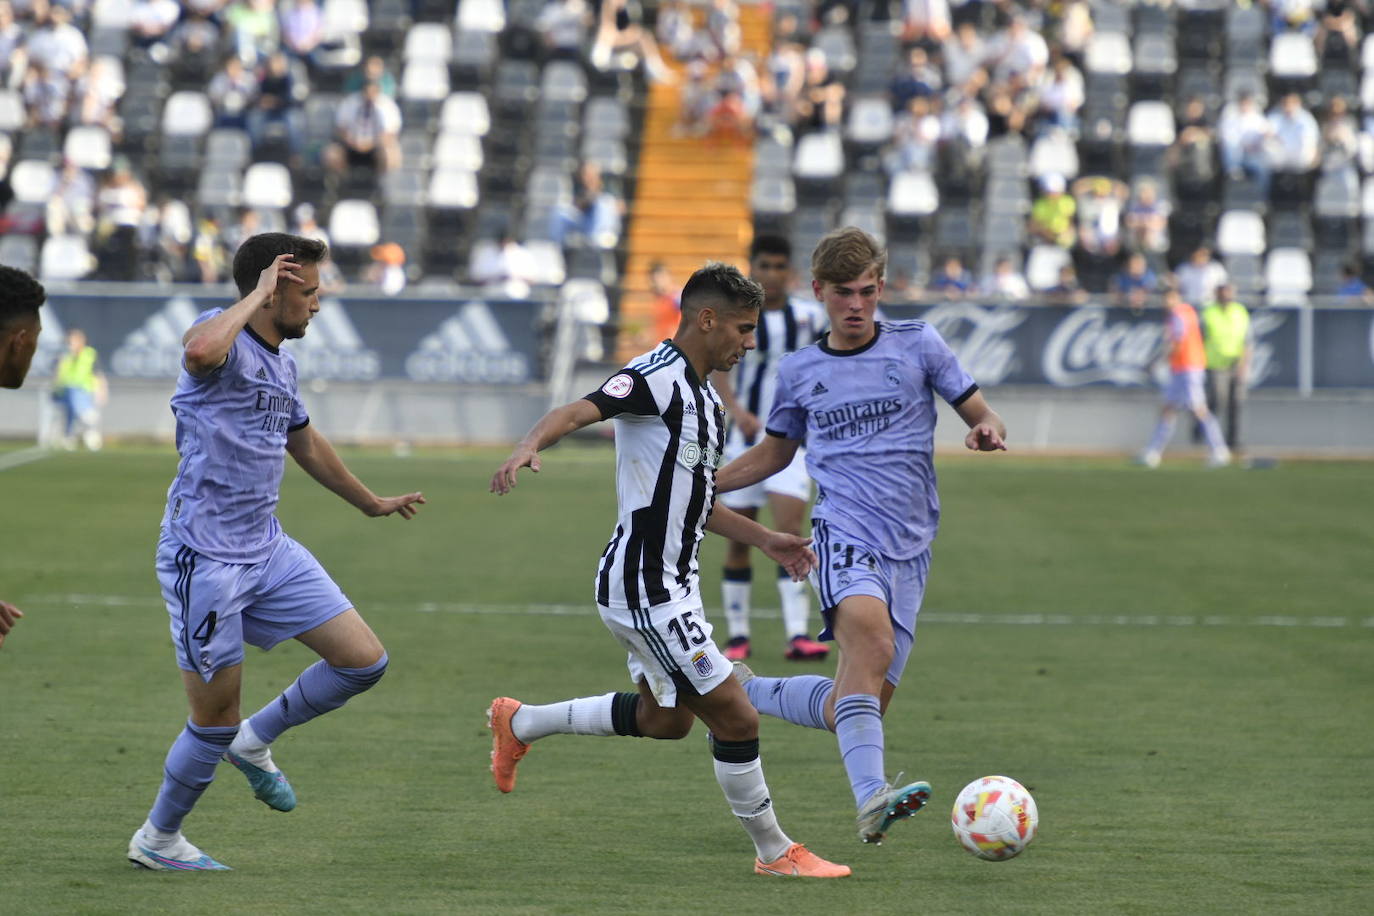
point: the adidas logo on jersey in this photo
(468, 347)
(819, 389)
(261, 374)
(690, 408)
(154, 349)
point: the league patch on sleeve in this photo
(618, 386)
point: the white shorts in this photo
(670, 647)
(791, 481)
(1185, 390)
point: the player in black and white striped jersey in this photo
(669, 438)
(786, 323)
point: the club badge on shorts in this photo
(702, 663)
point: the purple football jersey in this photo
(867, 417)
(231, 435)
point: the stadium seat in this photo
(606, 116)
(955, 232)
(608, 153)
(33, 181)
(65, 257)
(549, 187)
(549, 258)
(481, 16)
(819, 156)
(772, 157)
(1338, 195)
(1150, 124)
(457, 151)
(772, 196)
(20, 251)
(1240, 232)
(1246, 272)
(1002, 232)
(220, 189)
(88, 146)
(868, 217)
(453, 189)
(838, 44)
(563, 81)
(341, 47)
(425, 81)
(474, 54)
(226, 147)
(465, 113)
(430, 42)
(354, 224)
(870, 121)
(1007, 195)
(1007, 156)
(187, 112)
(1054, 153)
(1043, 265)
(1288, 276)
(12, 113)
(912, 195)
(406, 187)
(111, 14)
(267, 185)
(1292, 56)
(1108, 52)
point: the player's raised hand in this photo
(503, 481)
(281, 268)
(792, 552)
(9, 614)
(404, 506)
(984, 438)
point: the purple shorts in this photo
(848, 567)
(217, 607)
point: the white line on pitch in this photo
(23, 456)
(937, 617)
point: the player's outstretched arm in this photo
(762, 461)
(553, 426)
(9, 615)
(207, 344)
(790, 551)
(986, 431)
(317, 457)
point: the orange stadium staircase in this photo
(691, 202)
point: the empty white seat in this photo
(549, 186)
(428, 41)
(267, 185)
(819, 155)
(870, 120)
(1293, 54)
(465, 113)
(772, 194)
(1150, 124)
(458, 151)
(563, 81)
(33, 181)
(187, 113)
(353, 223)
(481, 16)
(1338, 194)
(65, 257)
(1108, 52)
(912, 194)
(220, 188)
(1240, 232)
(1054, 153)
(88, 146)
(19, 251)
(424, 80)
(453, 189)
(111, 14)
(606, 116)
(1043, 265)
(1288, 275)
(226, 147)
(548, 259)
(344, 17)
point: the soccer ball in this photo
(994, 818)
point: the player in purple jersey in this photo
(862, 401)
(21, 296)
(229, 574)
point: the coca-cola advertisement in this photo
(1074, 346)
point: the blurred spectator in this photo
(231, 92)
(1134, 284)
(195, 47)
(79, 388)
(1229, 346)
(1100, 201)
(151, 22)
(722, 28)
(1008, 109)
(562, 24)
(1296, 136)
(504, 269)
(1018, 54)
(920, 78)
(737, 75)
(1066, 290)
(1147, 220)
(119, 204)
(367, 127)
(820, 104)
(1192, 155)
(1061, 94)
(784, 76)
(729, 120)
(1199, 276)
(71, 208)
(667, 309)
(1353, 287)
(1338, 31)
(46, 95)
(252, 26)
(278, 106)
(56, 44)
(13, 56)
(951, 280)
(208, 252)
(388, 268)
(1005, 282)
(1052, 214)
(675, 29)
(915, 137)
(963, 55)
(1243, 133)
(97, 93)
(965, 123)
(302, 28)
(373, 70)
(621, 41)
(697, 98)
(1340, 142)
(1075, 28)
(306, 224)
(247, 223)
(594, 215)
(927, 21)
(167, 234)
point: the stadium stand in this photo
(790, 117)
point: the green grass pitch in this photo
(1178, 664)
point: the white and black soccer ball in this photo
(994, 818)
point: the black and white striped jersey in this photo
(780, 331)
(669, 434)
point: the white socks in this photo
(736, 598)
(582, 716)
(796, 607)
(747, 794)
(248, 746)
